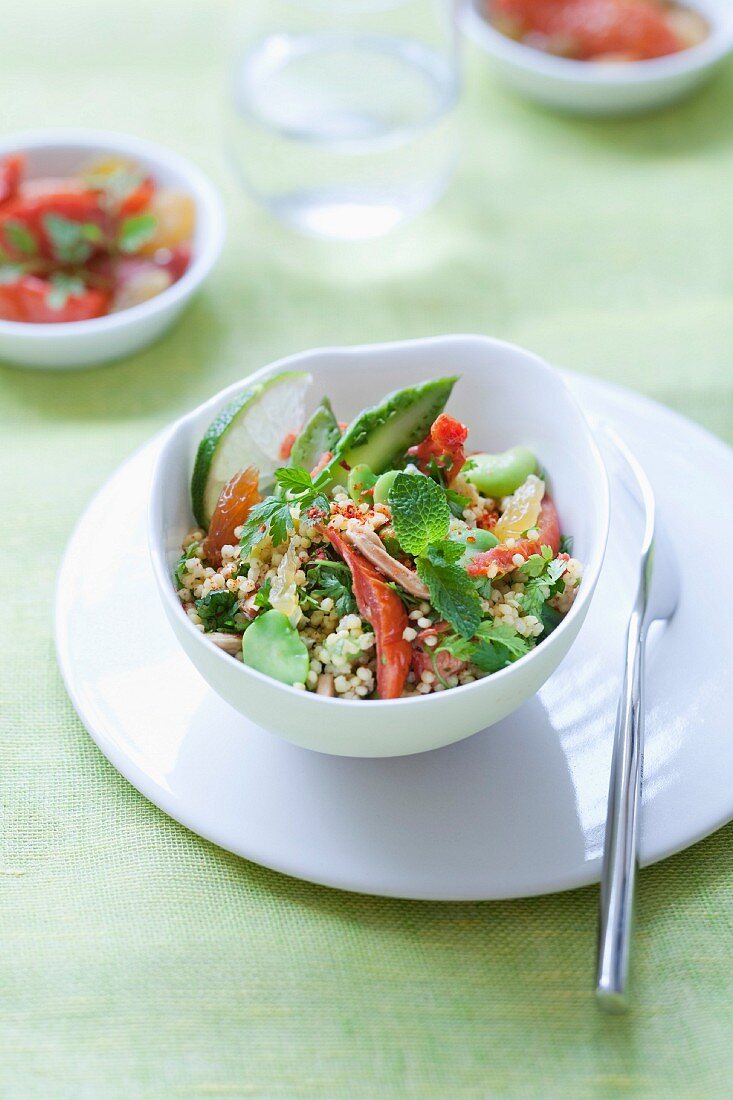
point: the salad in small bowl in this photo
(368, 563)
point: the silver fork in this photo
(656, 599)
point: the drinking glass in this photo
(342, 119)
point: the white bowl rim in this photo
(718, 43)
(202, 190)
(591, 568)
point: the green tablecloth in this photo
(139, 961)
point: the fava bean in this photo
(383, 485)
(476, 541)
(272, 646)
(501, 474)
(360, 479)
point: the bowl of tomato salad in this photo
(103, 241)
(361, 549)
(603, 56)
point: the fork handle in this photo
(620, 854)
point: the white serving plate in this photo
(516, 810)
(592, 88)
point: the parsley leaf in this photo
(217, 612)
(452, 593)
(136, 231)
(494, 646)
(20, 237)
(272, 515)
(420, 512)
(544, 575)
(262, 599)
(445, 553)
(333, 578)
(63, 287)
(191, 551)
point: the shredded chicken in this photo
(230, 643)
(369, 544)
(325, 684)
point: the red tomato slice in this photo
(27, 300)
(382, 608)
(11, 173)
(33, 204)
(502, 557)
(444, 443)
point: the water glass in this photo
(342, 119)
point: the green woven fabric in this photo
(136, 960)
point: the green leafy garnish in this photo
(73, 242)
(136, 231)
(20, 237)
(420, 512)
(262, 599)
(544, 573)
(63, 287)
(451, 592)
(333, 578)
(272, 516)
(456, 502)
(10, 273)
(191, 551)
(566, 544)
(494, 646)
(115, 186)
(217, 611)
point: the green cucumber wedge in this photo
(380, 435)
(321, 433)
(248, 432)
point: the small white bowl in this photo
(594, 88)
(506, 396)
(88, 343)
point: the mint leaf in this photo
(452, 594)
(20, 237)
(420, 512)
(136, 231)
(445, 553)
(217, 612)
(63, 287)
(72, 242)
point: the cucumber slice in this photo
(321, 433)
(248, 432)
(381, 435)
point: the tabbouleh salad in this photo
(375, 560)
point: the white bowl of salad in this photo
(375, 551)
(103, 241)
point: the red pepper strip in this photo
(11, 173)
(503, 556)
(444, 444)
(382, 608)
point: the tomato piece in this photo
(236, 500)
(593, 28)
(444, 446)
(31, 207)
(139, 199)
(500, 560)
(27, 299)
(287, 445)
(11, 173)
(383, 609)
